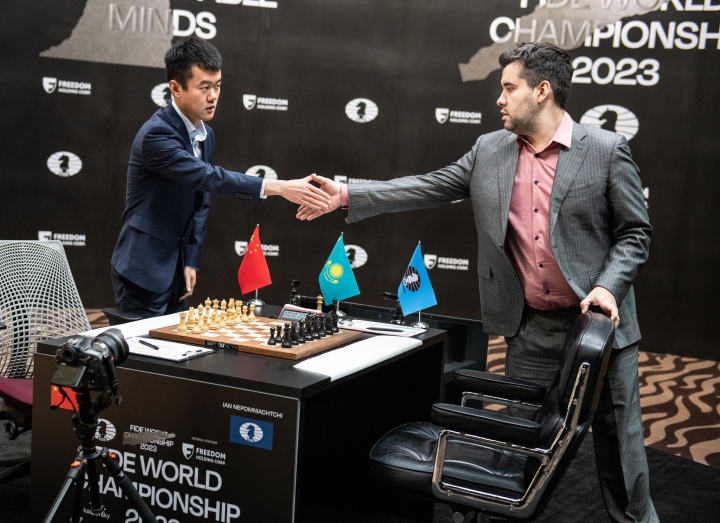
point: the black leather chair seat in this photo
(493, 462)
(405, 457)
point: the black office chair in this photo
(117, 316)
(38, 301)
(492, 462)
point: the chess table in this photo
(252, 337)
(182, 430)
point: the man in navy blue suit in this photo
(170, 176)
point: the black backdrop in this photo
(78, 81)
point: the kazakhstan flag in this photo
(337, 280)
(416, 292)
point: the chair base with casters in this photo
(492, 462)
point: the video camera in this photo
(90, 364)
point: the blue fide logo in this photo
(253, 433)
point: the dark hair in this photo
(184, 54)
(540, 62)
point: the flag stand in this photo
(340, 314)
(420, 324)
(256, 301)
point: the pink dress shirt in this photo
(528, 235)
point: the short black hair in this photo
(542, 61)
(180, 58)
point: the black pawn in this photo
(271, 341)
(278, 337)
(301, 332)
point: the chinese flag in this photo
(253, 272)
(58, 400)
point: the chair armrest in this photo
(486, 424)
(119, 316)
(499, 386)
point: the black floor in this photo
(683, 491)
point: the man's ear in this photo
(174, 87)
(544, 91)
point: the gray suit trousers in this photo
(533, 354)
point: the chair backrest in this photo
(588, 341)
(588, 346)
(38, 301)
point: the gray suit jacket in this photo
(599, 226)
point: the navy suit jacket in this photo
(167, 201)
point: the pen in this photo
(384, 329)
(147, 344)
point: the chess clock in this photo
(294, 313)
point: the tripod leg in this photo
(75, 476)
(111, 463)
(92, 477)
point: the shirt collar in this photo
(198, 133)
(563, 134)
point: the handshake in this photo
(332, 191)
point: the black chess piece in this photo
(278, 336)
(301, 332)
(328, 325)
(294, 334)
(315, 328)
(286, 344)
(320, 327)
(308, 328)
(335, 319)
(271, 341)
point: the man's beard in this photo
(527, 122)
(525, 126)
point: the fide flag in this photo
(415, 292)
(337, 280)
(253, 272)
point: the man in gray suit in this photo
(562, 226)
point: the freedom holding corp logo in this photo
(250, 432)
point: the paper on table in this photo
(357, 356)
(166, 350)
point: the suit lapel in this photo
(174, 119)
(569, 164)
(507, 158)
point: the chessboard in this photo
(252, 335)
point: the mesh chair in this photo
(492, 462)
(38, 301)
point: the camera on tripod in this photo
(86, 365)
(90, 364)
